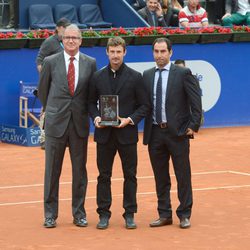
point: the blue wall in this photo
(232, 65)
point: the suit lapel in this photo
(171, 78)
(151, 82)
(106, 80)
(63, 70)
(123, 77)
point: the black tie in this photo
(158, 106)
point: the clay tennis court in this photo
(221, 213)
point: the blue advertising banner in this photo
(222, 69)
(20, 136)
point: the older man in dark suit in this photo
(176, 114)
(63, 91)
(152, 13)
(117, 79)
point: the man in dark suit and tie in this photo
(176, 114)
(63, 92)
(117, 79)
(152, 13)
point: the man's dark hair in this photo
(163, 40)
(180, 61)
(116, 41)
(63, 22)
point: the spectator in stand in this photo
(171, 9)
(237, 13)
(12, 10)
(193, 15)
(152, 13)
(219, 10)
(50, 46)
(139, 4)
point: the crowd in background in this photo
(175, 13)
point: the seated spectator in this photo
(237, 13)
(12, 10)
(193, 15)
(152, 13)
(139, 4)
(171, 9)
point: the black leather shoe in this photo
(80, 222)
(129, 223)
(185, 223)
(161, 222)
(103, 223)
(49, 223)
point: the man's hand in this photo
(97, 122)
(190, 133)
(159, 11)
(226, 15)
(123, 122)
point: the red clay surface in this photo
(221, 213)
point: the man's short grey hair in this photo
(73, 27)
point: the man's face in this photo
(161, 54)
(71, 41)
(116, 55)
(152, 5)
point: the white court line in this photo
(120, 195)
(240, 173)
(113, 179)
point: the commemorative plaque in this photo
(109, 110)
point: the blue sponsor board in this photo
(20, 136)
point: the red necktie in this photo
(71, 76)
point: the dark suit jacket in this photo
(183, 101)
(54, 95)
(50, 46)
(146, 15)
(132, 103)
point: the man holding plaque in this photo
(117, 103)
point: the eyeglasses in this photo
(74, 38)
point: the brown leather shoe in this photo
(161, 222)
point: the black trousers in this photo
(105, 158)
(162, 146)
(54, 151)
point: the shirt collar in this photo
(117, 72)
(67, 56)
(166, 67)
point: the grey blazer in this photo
(54, 95)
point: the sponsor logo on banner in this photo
(205, 72)
(20, 136)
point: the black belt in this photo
(162, 125)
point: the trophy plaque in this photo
(109, 110)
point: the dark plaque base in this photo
(109, 123)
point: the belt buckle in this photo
(163, 125)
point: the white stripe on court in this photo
(113, 179)
(120, 195)
(240, 173)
